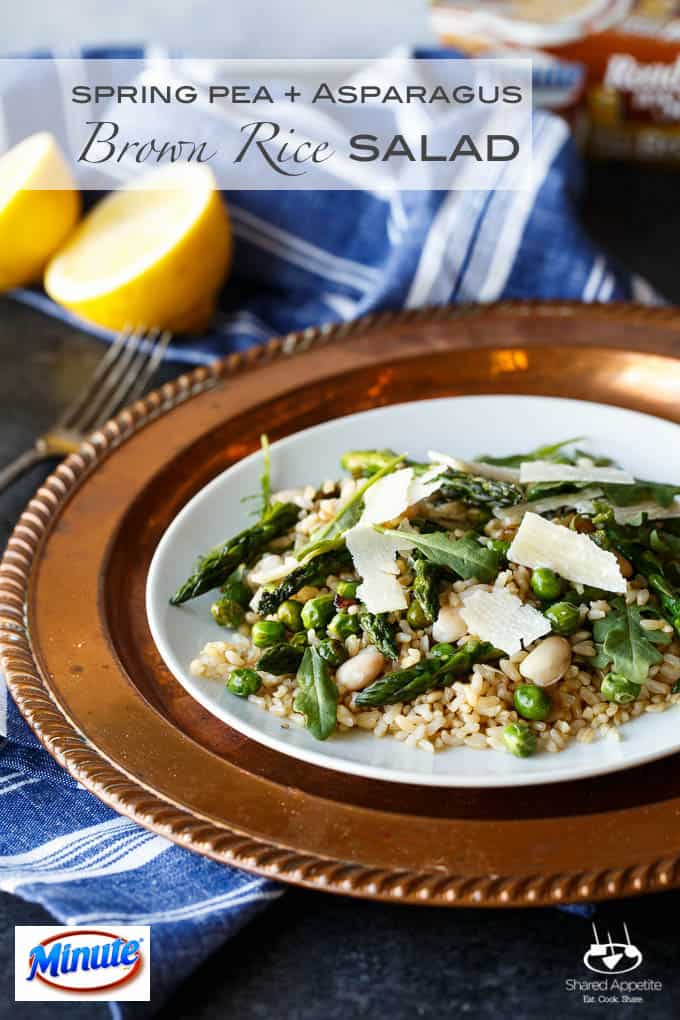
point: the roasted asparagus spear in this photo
(214, 568)
(314, 571)
(408, 684)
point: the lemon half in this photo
(39, 207)
(152, 255)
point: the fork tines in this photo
(119, 379)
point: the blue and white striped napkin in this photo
(302, 258)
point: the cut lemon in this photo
(154, 254)
(39, 207)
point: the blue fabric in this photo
(62, 848)
(301, 259)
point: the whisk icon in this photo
(612, 957)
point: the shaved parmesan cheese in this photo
(476, 467)
(373, 555)
(503, 619)
(581, 501)
(423, 486)
(388, 498)
(395, 493)
(655, 512)
(549, 471)
(272, 568)
(540, 543)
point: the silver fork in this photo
(120, 378)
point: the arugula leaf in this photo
(600, 660)
(621, 639)
(629, 540)
(640, 492)
(551, 452)
(330, 535)
(597, 461)
(265, 481)
(317, 695)
(537, 490)
(659, 567)
(669, 598)
(665, 543)
(464, 556)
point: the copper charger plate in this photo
(80, 662)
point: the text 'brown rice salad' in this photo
(514, 603)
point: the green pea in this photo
(564, 617)
(616, 687)
(267, 632)
(332, 652)
(290, 615)
(546, 585)
(344, 624)
(443, 650)
(532, 702)
(347, 589)
(415, 615)
(317, 613)
(519, 739)
(244, 682)
(227, 612)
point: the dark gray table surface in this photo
(309, 955)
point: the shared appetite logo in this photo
(57, 962)
(612, 958)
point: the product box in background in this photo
(629, 51)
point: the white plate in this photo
(463, 426)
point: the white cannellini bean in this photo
(548, 662)
(449, 625)
(361, 670)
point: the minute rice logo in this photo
(612, 957)
(57, 962)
